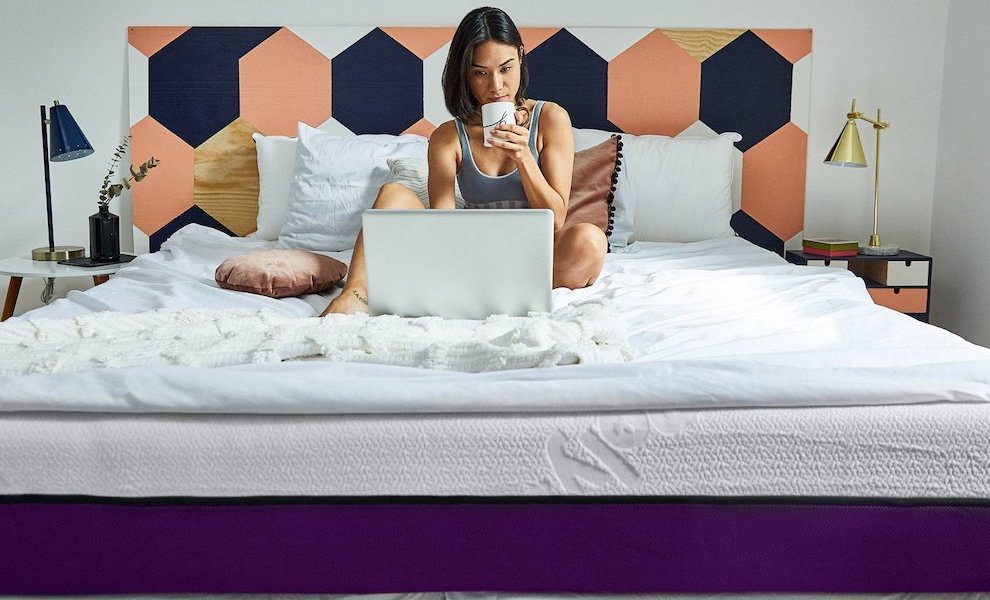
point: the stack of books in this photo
(830, 247)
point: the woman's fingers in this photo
(511, 133)
(511, 139)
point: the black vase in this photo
(104, 235)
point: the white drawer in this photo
(893, 272)
(828, 262)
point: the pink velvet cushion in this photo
(279, 273)
(593, 184)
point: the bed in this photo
(737, 424)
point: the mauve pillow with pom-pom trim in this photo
(593, 185)
(280, 273)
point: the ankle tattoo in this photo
(359, 297)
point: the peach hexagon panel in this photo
(198, 93)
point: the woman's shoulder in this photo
(554, 114)
(445, 136)
(445, 131)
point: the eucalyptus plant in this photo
(109, 191)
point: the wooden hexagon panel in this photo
(198, 93)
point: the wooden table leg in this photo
(98, 279)
(13, 289)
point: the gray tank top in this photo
(485, 191)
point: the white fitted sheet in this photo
(926, 450)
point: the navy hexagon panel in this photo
(377, 85)
(565, 70)
(197, 94)
(746, 88)
(194, 84)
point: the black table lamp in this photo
(67, 143)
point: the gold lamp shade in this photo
(848, 149)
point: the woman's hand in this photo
(513, 140)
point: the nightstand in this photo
(18, 268)
(901, 281)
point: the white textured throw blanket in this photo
(579, 333)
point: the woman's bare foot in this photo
(349, 302)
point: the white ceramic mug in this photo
(495, 113)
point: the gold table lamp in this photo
(848, 152)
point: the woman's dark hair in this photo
(478, 26)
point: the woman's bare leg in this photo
(578, 255)
(354, 297)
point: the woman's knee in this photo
(396, 195)
(585, 240)
(579, 255)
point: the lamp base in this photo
(58, 253)
(879, 250)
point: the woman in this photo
(528, 165)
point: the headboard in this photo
(198, 93)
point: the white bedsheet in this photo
(715, 323)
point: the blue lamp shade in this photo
(66, 140)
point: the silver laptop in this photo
(458, 264)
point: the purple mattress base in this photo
(334, 546)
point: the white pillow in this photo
(414, 174)
(683, 186)
(276, 161)
(336, 179)
(624, 199)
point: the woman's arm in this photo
(549, 186)
(442, 156)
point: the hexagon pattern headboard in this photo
(198, 93)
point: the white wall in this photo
(886, 53)
(961, 210)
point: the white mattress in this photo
(926, 450)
